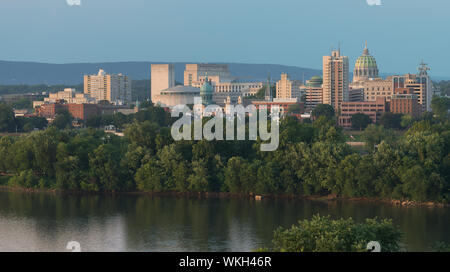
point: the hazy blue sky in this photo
(292, 32)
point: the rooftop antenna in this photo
(423, 68)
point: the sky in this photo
(400, 33)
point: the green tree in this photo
(25, 179)
(441, 106)
(68, 174)
(391, 120)
(63, 120)
(234, 174)
(322, 234)
(360, 121)
(375, 134)
(407, 121)
(295, 108)
(355, 177)
(23, 104)
(6, 144)
(151, 177)
(143, 134)
(199, 179)
(323, 110)
(7, 120)
(105, 171)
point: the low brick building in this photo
(78, 111)
(374, 109)
(83, 111)
(48, 110)
(405, 101)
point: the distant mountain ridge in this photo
(16, 73)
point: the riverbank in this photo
(319, 198)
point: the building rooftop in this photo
(180, 89)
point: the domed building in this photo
(315, 81)
(365, 67)
(206, 92)
(314, 92)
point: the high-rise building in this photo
(287, 88)
(421, 83)
(314, 92)
(162, 77)
(365, 67)
(335, 79)
(113, 88)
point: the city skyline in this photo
(52, 31)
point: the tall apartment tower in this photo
(162, 77)
(113, 88)
(335, 79)
(287, 88)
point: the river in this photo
(47, 222)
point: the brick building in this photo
(405, 101)
(82, 111)
(374, 109)
(78, 111)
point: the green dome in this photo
(365, 67)
(316, 78)
(366, 61)
(315, 81)
(206, 88)
(206, 92)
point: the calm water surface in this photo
(43, 222)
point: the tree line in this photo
(312, 159)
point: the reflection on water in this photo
(43, 222)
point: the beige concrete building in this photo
(374, 88)
(234, 90)
(223, 83)
(194, 74)
(113, 88)
(177, 95)
(287, 88)
(335, 79)
(162, 77)
(70, 96)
